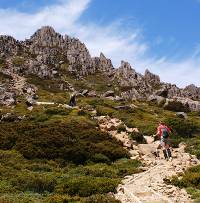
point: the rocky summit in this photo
(62, 61)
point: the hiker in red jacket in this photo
(163, 132)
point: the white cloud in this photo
(113, 40)
(62, 16)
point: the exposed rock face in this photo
(192, 92)
(127, 76)
(151, 78)
(103, 64)
(50, 55)
(193, 105)
(8, 45)
(109, 94)
(133, 85)
(7, 98)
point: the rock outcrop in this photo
(50, 55)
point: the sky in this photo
(160, 35)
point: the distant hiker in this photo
(163, 132)
(72, 101)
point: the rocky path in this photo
(149, 186)
(18, 82)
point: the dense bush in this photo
(148, 129)
(100, 158)
(191, 178)
(38, 183)
(137, 137)
(52, 86)
(193, 146)
(121, 128)
(100, 199)
(49, 181)
(103, 111)
(57, 198)
(176, 106)
(76, 141)
(181, 127)
(86, 186)
(57, 111)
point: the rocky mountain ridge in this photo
(49, 55)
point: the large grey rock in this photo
(151, 78)
(124, 107)
(102, 64)
(8, 98)
(181, 115)
(109, 93)
(157, 99)
(92, 94)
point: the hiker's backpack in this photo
(165, 133)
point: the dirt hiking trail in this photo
(149, 186)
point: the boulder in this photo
(8, 98)
(84, 92)
(117, 98)
(163, 92)
(151, 78)
(125, 107)
(176, 105)
(157, 99)
(109, 93)
(30, 100)
(10, 117)
(92, 94)
(181, 115)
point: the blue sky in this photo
(161, 35)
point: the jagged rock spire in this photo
(46, 36)
(8, 45)
(103, 64)
(151, 78)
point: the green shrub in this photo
(57, 198)
(121, 128)
(52, 86)
(137, 136)
(129, 123)
(100, 199)
(103, 111)
(57, 111)
(181, 127)
(86, 186)
(39, 117)
(193, 146)
(126, 167)
(34, 182)
(82, 113)
(195, 193)
(190, 180)
(2, 63)
(64, 67)
(177, 107)
(18, 61)
(148, 129)
(100, 158)
(76, 141)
